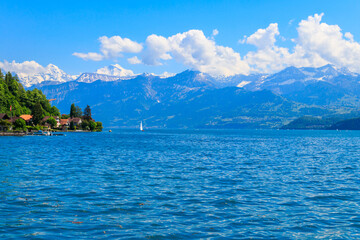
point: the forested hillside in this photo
(14, 96)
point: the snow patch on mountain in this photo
(92, 77)
(51, 73)
(115, 70)
(243, 83)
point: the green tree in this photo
(99, 126)
(54, 111)
(12, 93)
(85, 125)
(72, 110)
(78, 112)
(20, 124)
(4, 123)
(75, 111)
(72, 125)
(52, 122)
(38, 113)
(92, 125)
(87, 113)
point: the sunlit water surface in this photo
(181, 184)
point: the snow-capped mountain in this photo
(92, 77)
(109, 73)
(192, 98)
(285, 81)
(115, 70)
(293, 78)
(51, 73)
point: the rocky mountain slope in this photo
(194, 99)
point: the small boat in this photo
(43, 133)
(141, 127)
(110, 130)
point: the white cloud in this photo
(268, 57)
(317, 44)
(111, 48)
(194, 50)
(215, 32)
(328, 43)
(134, 60)
(349, 36)
(157, 48)
(166, 75)
(27, 67)
(114, 46)
(31, 72)
(90, 56)
(264, 38)
(243, 40)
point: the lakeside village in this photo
(30, 112)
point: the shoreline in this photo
(12, 134)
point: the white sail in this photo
(141, 127)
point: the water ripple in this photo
(174, 184)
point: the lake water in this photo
(181, 184)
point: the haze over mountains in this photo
(193, 99)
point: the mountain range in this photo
(192, 99)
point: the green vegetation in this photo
(349, 124)
(72, 126)
(14, 96)
(20, 124)
(87, 113)
(75, 111)
(52, 122)
(16, 101)
(309, 122)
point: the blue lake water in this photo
(181, 184)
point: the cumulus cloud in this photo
(268, 57)
(114, 46)
(157, 48)
(192, 49)
(328, 42)
(317, 44)
(27, 67)
(111, 48)
(134, 60)
(90, 56)
(264, 38)
(195, 50)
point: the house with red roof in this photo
(27, 118)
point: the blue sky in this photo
(51, 31)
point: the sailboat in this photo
(141, 127)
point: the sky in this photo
(216, 37)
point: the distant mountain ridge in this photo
(286, 81)
(194, 99)
(51, 74)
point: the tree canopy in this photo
(87, 113)
(75, 111)
(16, 101)
(52, 122)
(12, 93)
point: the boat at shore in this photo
(45, 133)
